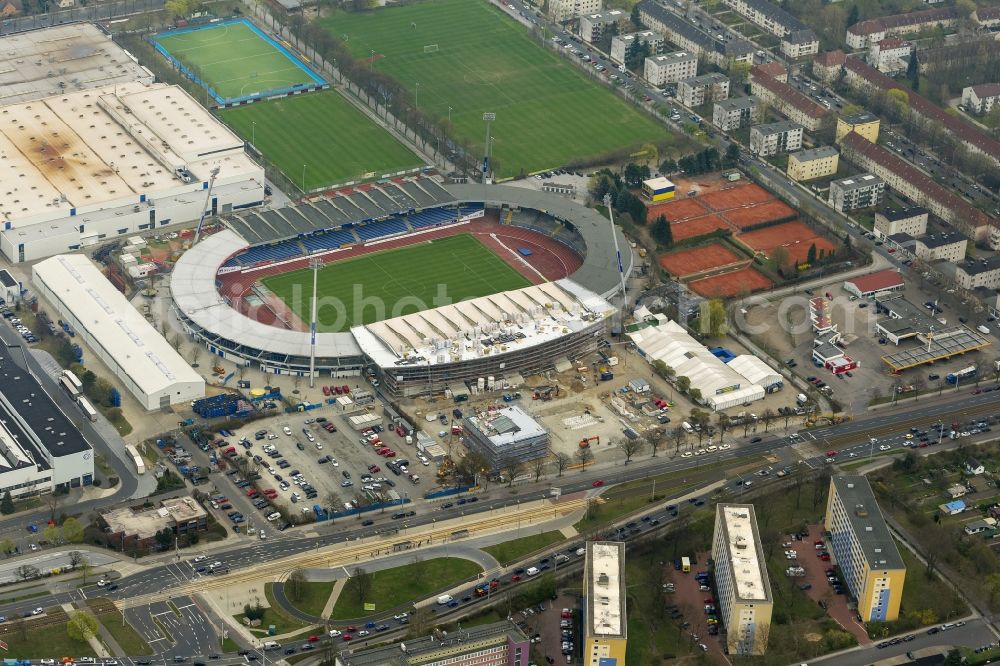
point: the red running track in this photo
(549, 257)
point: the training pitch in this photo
(401, 281)
(464, 55)
(235, 61)
(334, 141)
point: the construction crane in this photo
(204, 209)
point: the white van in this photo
(445, 599)
(271, 645)
(687, 427)
(532, 571)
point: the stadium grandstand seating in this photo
(328, 241)
(276, 252)
(381, 228)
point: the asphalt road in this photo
(974, 634)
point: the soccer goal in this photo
(431, 48)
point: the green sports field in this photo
(396, 282)
(321, 130)
(233, 60)
(547, 112)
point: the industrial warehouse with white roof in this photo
(86, 165)
(135, 352)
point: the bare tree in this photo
(296, 585)
(195, 354)
(722, 422)
(629, 446)
(27, 572)
(768, 417)
(585, 456)
(75, 558)
(562, 462)
(511, 468)
(538, 467)
(654, 439)
(678, 435)
(363, 583)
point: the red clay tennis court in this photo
(735, 197)
(698, 226)
(764, 212)
(795, 236)
(698, 259)
(745, 280)
(678, 209)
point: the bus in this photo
(87, 408)
(964, 373)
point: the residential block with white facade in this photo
(858, 191)
(670, 67)
(623, 46)
(564, 10)
(981, 98)
(593, 26)
(702, 89)
(732, 114)
(773, 138)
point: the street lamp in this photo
(303, 179)
(253, 133)
(449, 114)
(417, 96)
(315, 264)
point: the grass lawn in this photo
(274, 614)
(548, 113)
(398, 586)
(123, 633)
(314, 597)
(43, 637)
(395, 282)
(233, 60)
(335, 141)
(511, 551)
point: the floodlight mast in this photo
(489, 117)
(618, 254)
(208, 198)
(315, 264)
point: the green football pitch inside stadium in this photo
(233, 60)
(468, 57)
(396, 282)
(333, 140)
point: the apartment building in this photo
(773, 69)
(977, 273)
(623, 46)
(911, 220)
(866, 553)
(864, 77)
(698, 90)
(605, 627)
(987, 17)
(941, 246)
(890, 55)
(667, 68)
(685, 34)
(745, 603)
(827, 66)
(773, 138)
(981, 98)
(797, 39)
(813, 163)
(854, 192)
(788, 101)
(862, 34)
(732, 114)
(592, 26)
(497, 644)
(915, 185)
(864, 123)
(564, 10)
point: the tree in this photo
(852, 15)
(654, 439)
(913, 72)
(664, 370)
(296, 585)
(768, 418)
(678, 435)
(636, 18)
(27, 572)
(363, 583)
(683, 384)
(538, 467)
(7, 546)
(72, 530)
(811, 255)
(695, 395)
(164, 538)
(732, 155)
(511, 469)
(82, 626)
(716, 318)
(7, 504)
(781, 258)
(629, 446)
(662, 232)
(255, 612)
(585, 456)
(51, 534)
(562, 462)
(722, 422)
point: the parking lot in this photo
(313, 458)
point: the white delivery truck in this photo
(445, 599)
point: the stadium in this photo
(448, 285)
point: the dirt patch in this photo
(796, 237)
(745, 280)
(698, 260)
(758, 214)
